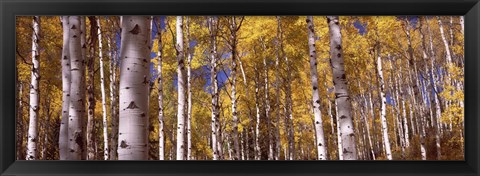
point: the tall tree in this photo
(134, 82)
(77, 91)
(113, 94)
(102, 89)
(181, 90)
(319, 135)
(342, 99)
(34, 92)
(91, 90)
(189, 54)
(66, 81)
(161, 133)
(233, 47)
(212, 22)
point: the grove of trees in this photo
(240, 87)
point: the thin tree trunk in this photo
(20, 123)
(213, 82)
(77, 90)
(189, 91)
(113, 100)
(46, 127)
(181, 90)
(134, 85)
(233, 75)
(91, 91)
(279, 50)
(383, 111)
(83, 43)
(321, 149)
(161, 131)
(341, 91)
(267, 106)
(66, 81)
(102, 88)
(257, 124)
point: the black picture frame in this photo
(10, 8)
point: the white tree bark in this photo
(233, 75)
(66, 81)
(77, 92)
(212, 21)
(102, 87)
(448, 55)
(134, 85)
(321, 149)
(349, 150)
(267, 105)
(181, 90)
(257, 115)
(189, 91)
(34, 92)
(383, 109)
(161, 131)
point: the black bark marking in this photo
(73, 27)
(142, 115)
(318, 101)
(336, 22)
(343, 117)
(308, 20)
(319, 144)
(135, 30)
(314, 87)
(339, 55)
(328, 20)
(132, 105)
(317, 122)
(343, 76)
(74, 36)
(339, 47)
(79, 140)
(123, 144)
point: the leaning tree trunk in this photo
(214, 91)
(66, 81)
(321, 146)
(77, 92)
(341, 91)
(91, 92)
(181, 91)
(102, 88)
(34, 92)
(383, 109)
(134, 82)
(161, 131)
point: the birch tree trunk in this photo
(213, 81)
(66, 81)
(181, 90)
(77, 92)
(279, 50)
(134, 75)
(288, 113)
(257, 124)
(383, 109)
(34, 92)
(321, 149)
(20, 123)
(161, 131)
(189, 91)
(233, 75)
(102, 88)
(341, 90)
(83, 43)
(113, 100)
(267, 106)
(91, 91)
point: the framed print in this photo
(239, 87)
